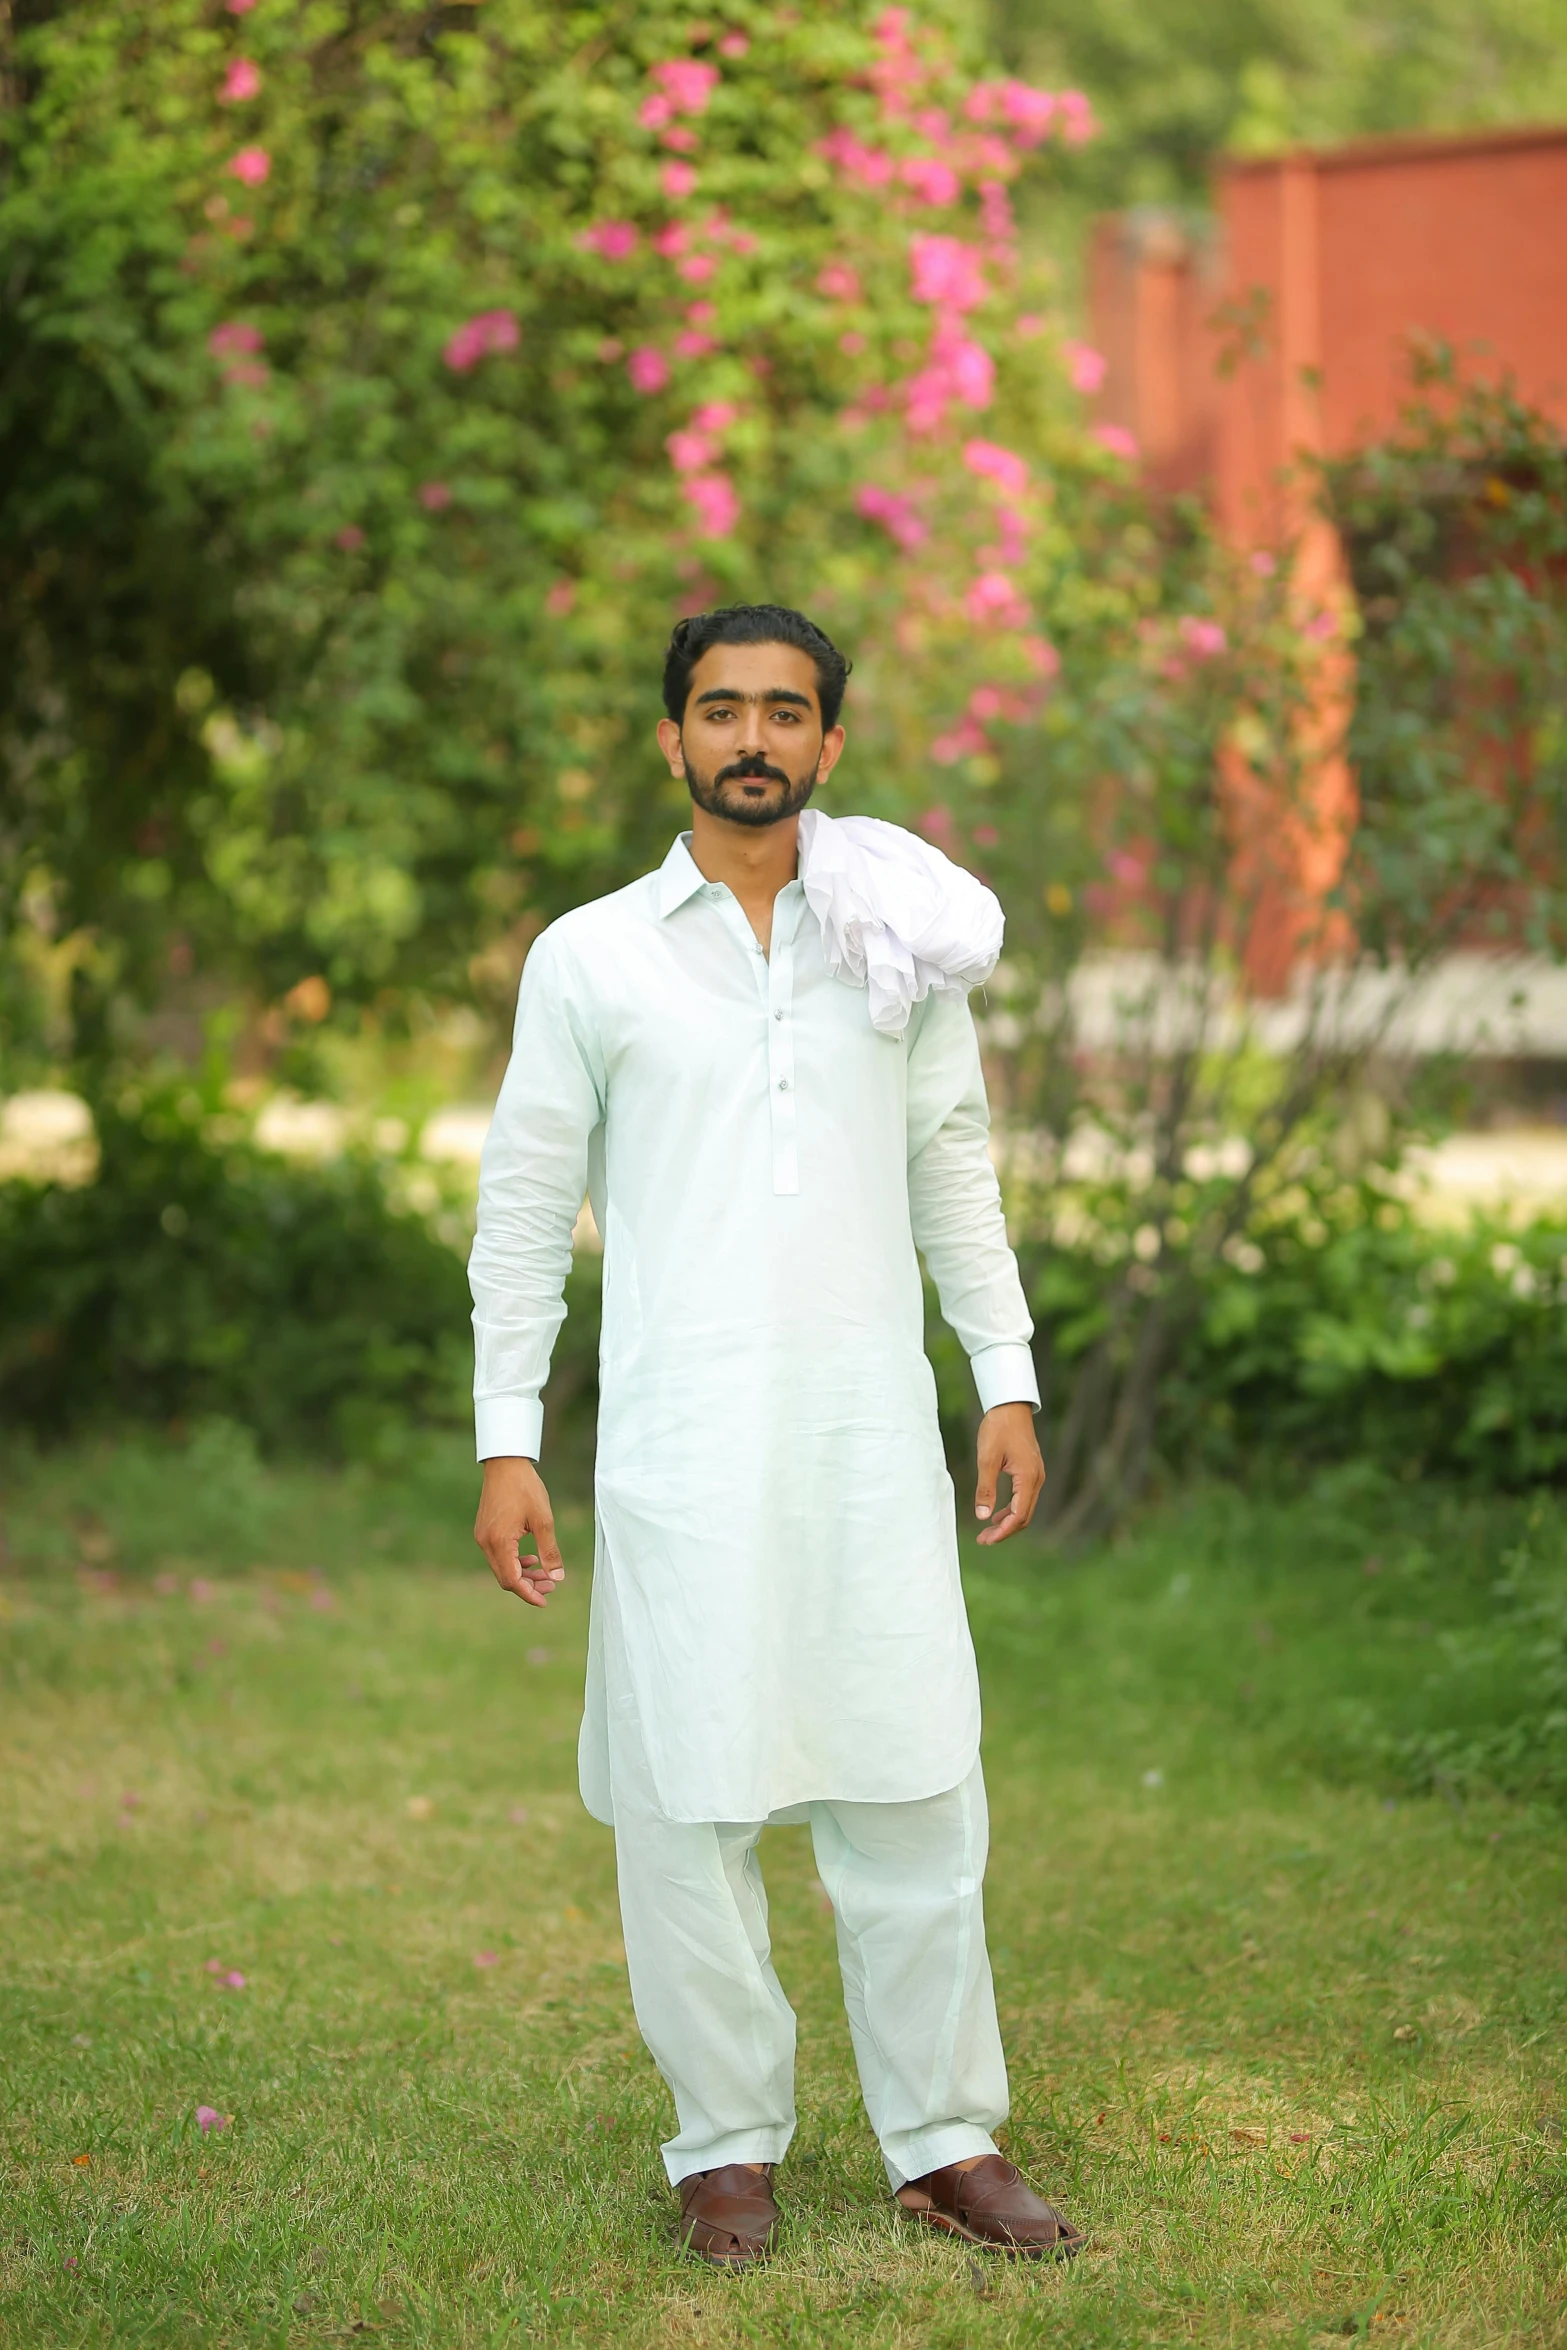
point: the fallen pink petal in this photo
(209, 2118)
(486, 1958)
(233, 1980)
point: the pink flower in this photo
(492, 330)
(733, 45)
(233, 1980)
(1321, 626)
(610, 348)
(697, 268)
(852, 342)
(689, 344)
(1086, 367)
(647, 368)
(234, 337)
(1263, 564)
(873, 167)
(1041, 656)
(715, 416)
(214, 1966)
(936, 823)
(683, 141)
(895, 514)
(742, 241)
(986, 836)
(434, 496)
(687, 83)
(486, 1958)
(1003, 466)
(691, 452)
(1079, 125)
(933, 182)
(995, 211)
(1203, 639)
(671, 240)
(677, 180)
(993, 597)
(242, 81)
(1031, 323)
(1029, 111)
(838, 282)
(252, 165)
(201, 1590)
(963, 741)
(616, 240)
(1117, 440)
(1126, 869)
(705, 314)
(350, 538)
(716, 505)
(560, 599)
(946, 271)
(240, 7)
(985, 703)
(209, 2118)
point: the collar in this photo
(678, 876)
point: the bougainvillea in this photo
(484, 354)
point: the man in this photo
(777, 1626)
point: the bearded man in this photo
(759, 1064)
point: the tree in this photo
(381, 380)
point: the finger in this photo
(985, 1490)
(543, 1533)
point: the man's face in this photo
(751, 745)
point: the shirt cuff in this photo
(1005, 1374)
(508, 1426)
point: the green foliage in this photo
(344, 503)
(1455, 529)
(196, 1278)
(1174, 82)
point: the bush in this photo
(1346, 1330)
(193, 1279)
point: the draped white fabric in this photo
(898, 918)
(777, 1615)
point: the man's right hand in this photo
(513, 1505)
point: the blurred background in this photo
(1164, 405)
(1165, 408)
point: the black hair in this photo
(753, 624)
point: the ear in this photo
(672, 747)
(831, 752)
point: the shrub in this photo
(194, 1279)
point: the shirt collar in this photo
(678, 876)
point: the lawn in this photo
(291, 1833)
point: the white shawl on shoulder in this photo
(897, 917)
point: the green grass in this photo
(1287, 2038)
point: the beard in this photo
(725, 795)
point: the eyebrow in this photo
(774, 693)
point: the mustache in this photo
(751, 771)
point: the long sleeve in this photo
(532, 1176)
(955, 1204)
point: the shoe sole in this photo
(1064, 2248)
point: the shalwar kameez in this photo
(777, 1625)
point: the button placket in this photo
(780, 1060)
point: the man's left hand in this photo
(1007, 1443)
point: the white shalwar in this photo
(777, 1619)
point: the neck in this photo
(755, 861)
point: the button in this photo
(778, 1015)
(783, 1084)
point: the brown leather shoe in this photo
(991, 2203)
(729, 2215)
